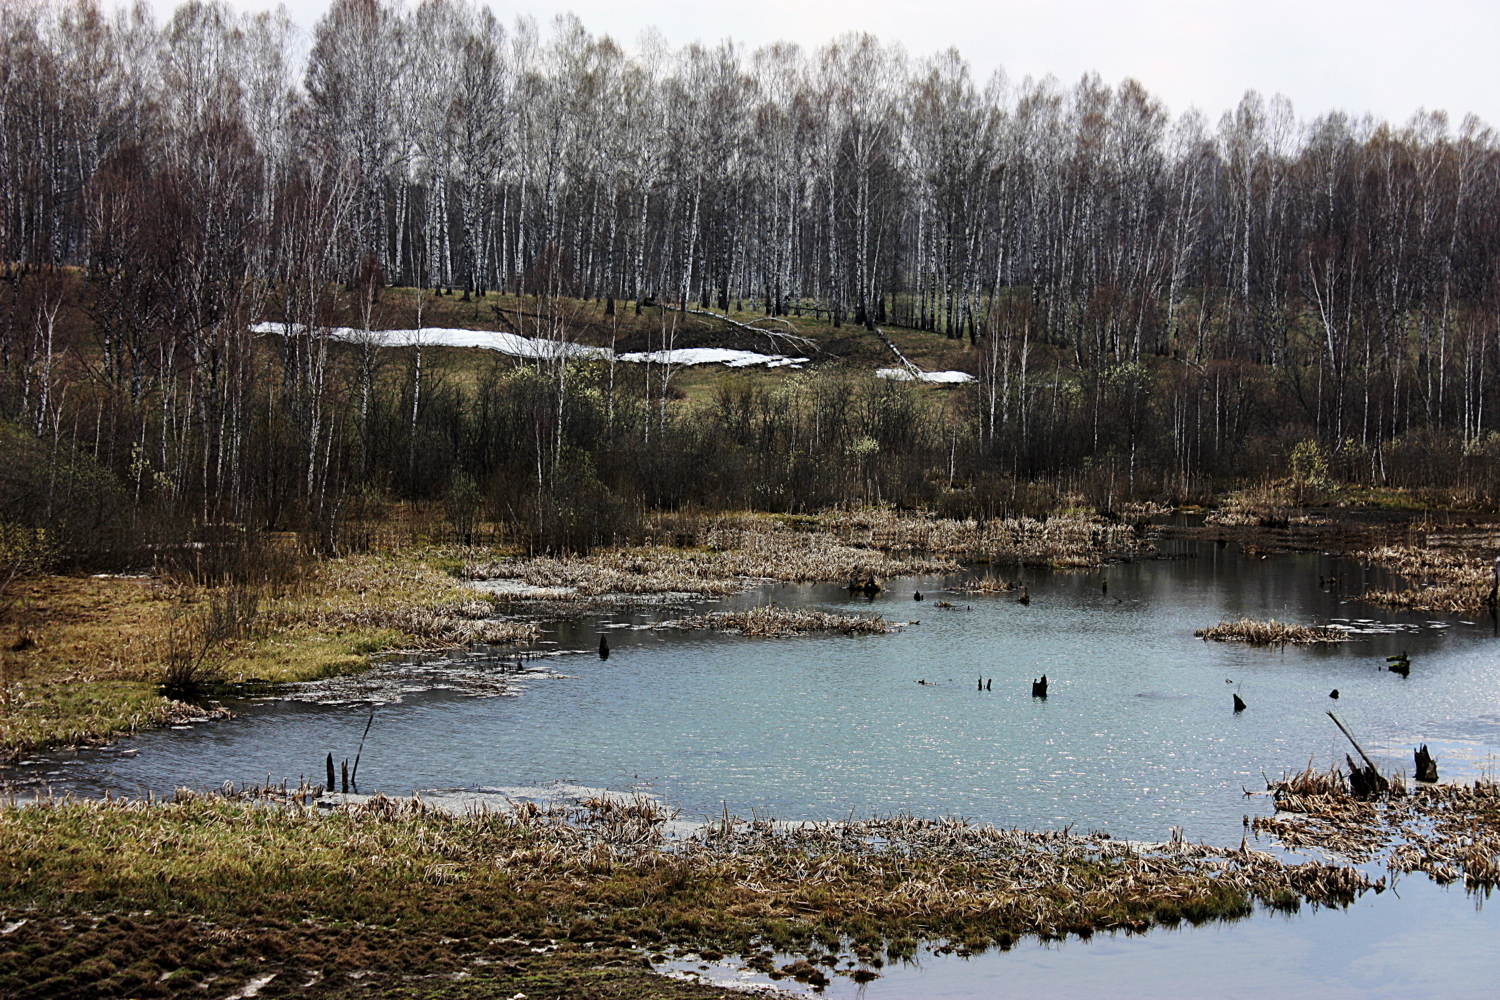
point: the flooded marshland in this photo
(1137, 737)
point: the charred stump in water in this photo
(604, 647)
(331, 785)
(1365, 782)
(1039, 687)
(1426, 765)
(1239, 704)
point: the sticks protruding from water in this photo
(354, 774)
(1039, 687)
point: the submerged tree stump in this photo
(1039, 687)
(1426, 765)
(1366, 782)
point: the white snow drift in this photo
(906, 375)
(532, 348)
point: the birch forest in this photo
(1154, 305)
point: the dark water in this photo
(1137, 736)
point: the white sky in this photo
(1385, 57)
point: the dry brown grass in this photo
(736, 553)
(1450, 832)
(605, 873)
(1269, 633)
(1446, 581)
(776, 621)
(385, 593)
(987, 584)
(100, 647)
(1067, 540)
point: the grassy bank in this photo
(95, 657)
(391, 899)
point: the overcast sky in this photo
(1384, 57)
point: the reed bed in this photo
(735, 554)
(837, 546)
(1449, 832)
(1067, 540)
(1446, 581)
(392, 888)
(771, 620)
(1270, 633)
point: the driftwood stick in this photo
(354, 775)
(1370, 763)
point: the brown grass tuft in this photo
(1269, 633)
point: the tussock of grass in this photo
(775, 621)
(1269, 633)
(394, 889)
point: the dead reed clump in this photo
(1245, 515)
(1446, 580)
(735, 555)
(1269, 633)
(1445, 831)
(988, 584)
(771, 620)
(1068, 540)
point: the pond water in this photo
(1137, 736)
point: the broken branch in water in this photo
(1367, 781)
